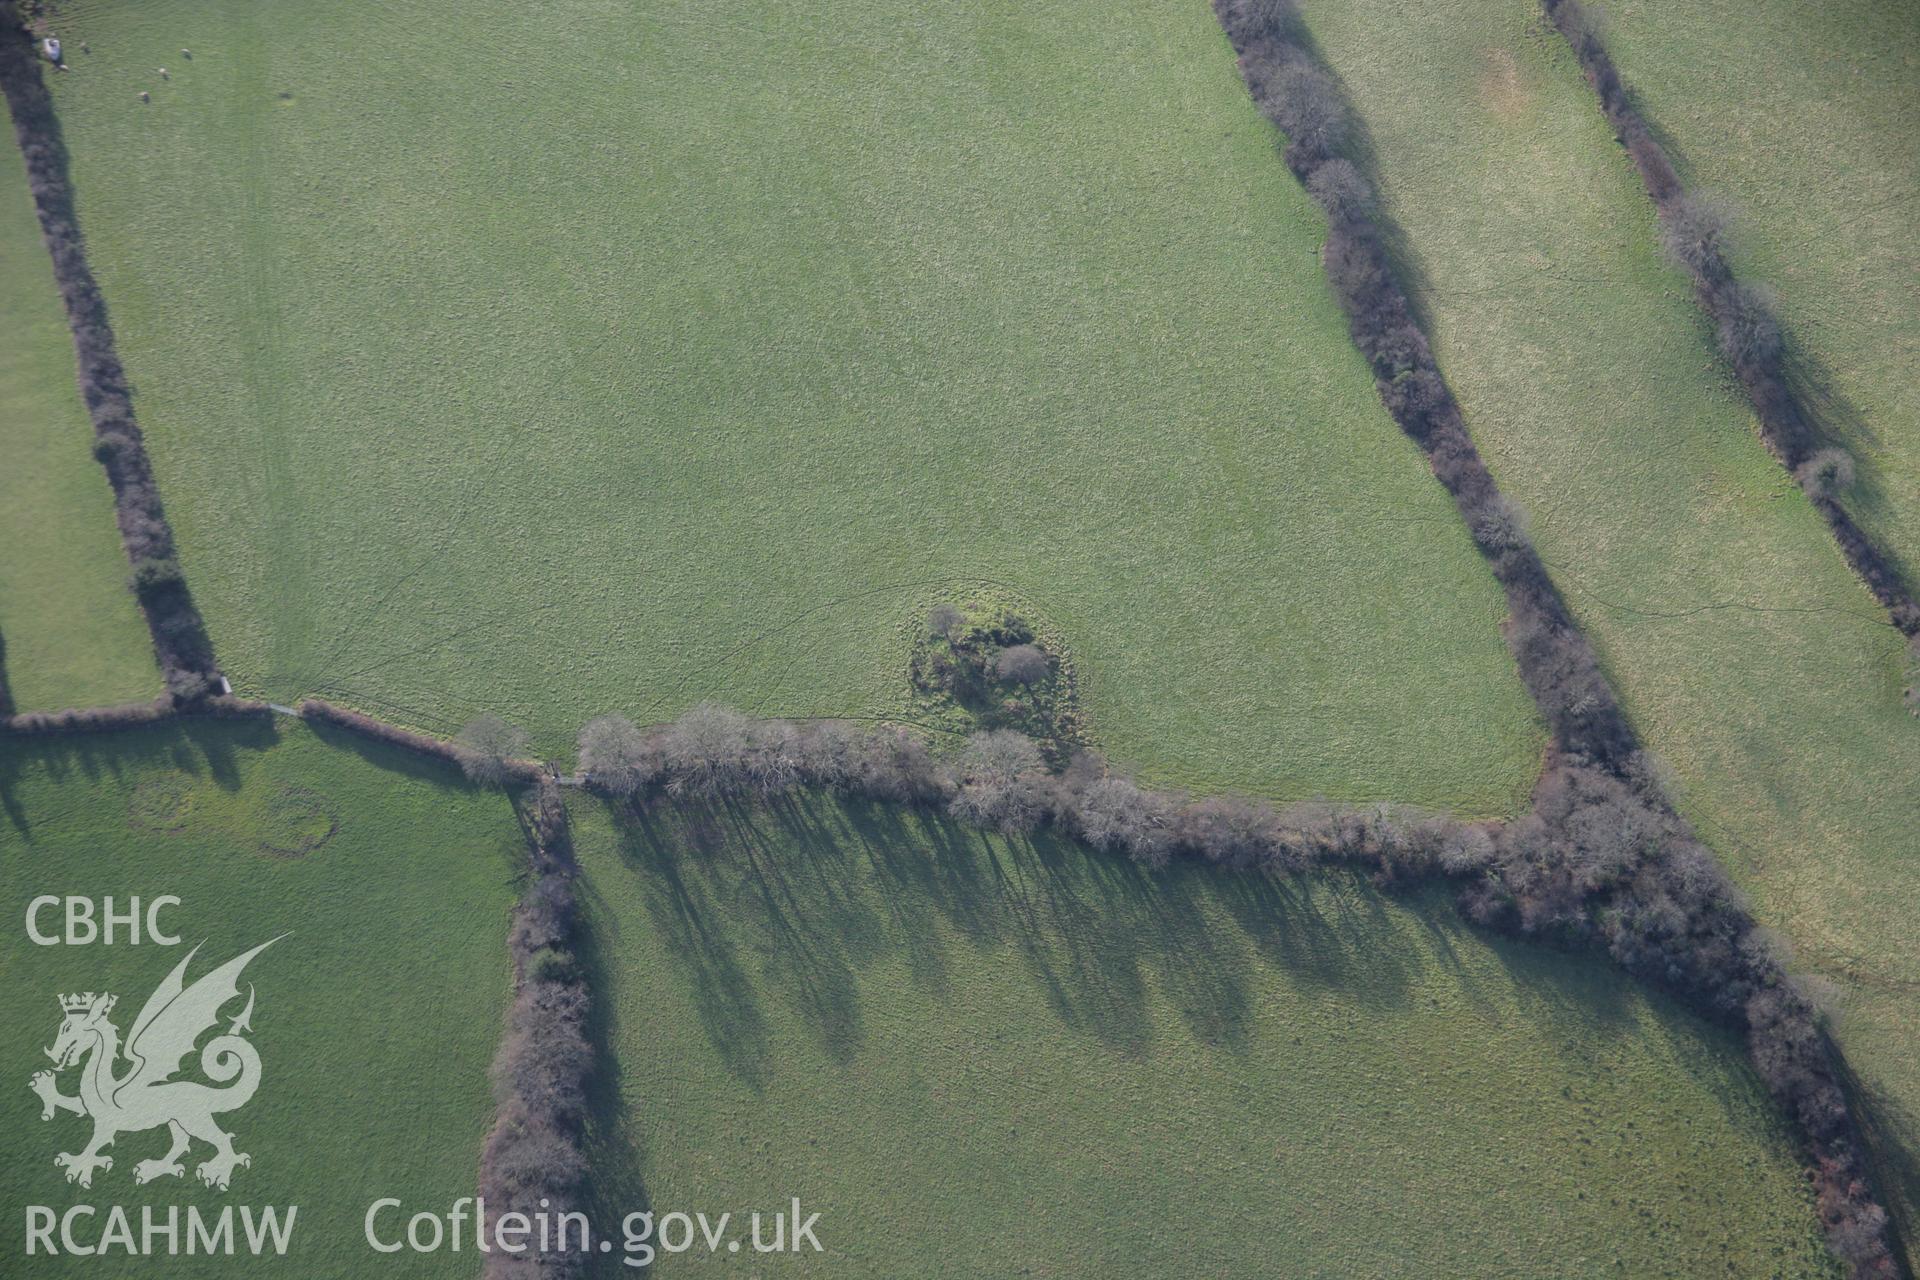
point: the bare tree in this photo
(615, 754)
(1749, 335)
(1499, 525)
(942, 620)
(1231, 830)
(1827, 474)
(1002, 775)
(1693, 230)
(1340, 190)
(705, 751)
(1274, 18)
(1303, 100)
(488, 745)
(1113, 813)
(1022, 664)
(774, 757)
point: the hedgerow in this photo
(1694, 232)
(533, 1160)
(1602, 855)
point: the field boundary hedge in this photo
(1602, 855)
(128, 715)
(1749, 335)
(533, 1160)
(180, 642)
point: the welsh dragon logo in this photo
(145, 1095)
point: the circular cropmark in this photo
(162, 804)
(297, 821)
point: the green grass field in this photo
(974, 1058)
(1802, 119)
(73, 636)
(375, 1018)
(583, 359)
(1749, 657)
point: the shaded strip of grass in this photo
(1748, 333)
(318, 711)
(180, 640)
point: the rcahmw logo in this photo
(128, 1087)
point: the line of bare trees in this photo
(180, 642)
(534, 1161)
(1602, 855)
(999, 780)
(1693, 231)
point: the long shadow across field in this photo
(792, 902)
(192, 746)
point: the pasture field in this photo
(71, 632)
(376, 1016)
(578, 358)
(975, 1057)
(1802, 119)
(1751, 660)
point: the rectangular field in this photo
(375, 1016)
(1754, 664)
(70, 633)
(566, 359)
(975, 1057)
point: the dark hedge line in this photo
(1293, 91)
(1000, 780)
(180, 638)
(128, 715)
(1602, 856)
(533, 1160)
(1749, 336)
(484, 769)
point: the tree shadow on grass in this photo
(614, 1146)
(1892, 1134)
(793, 902)
(682, 907)
(195, 746)
(391, 758)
